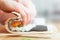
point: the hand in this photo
(25, 7)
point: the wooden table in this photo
(42, 36)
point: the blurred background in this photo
(48, 9)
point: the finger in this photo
(7, 5)
(27, 12)
(20, 9)
(30, 7)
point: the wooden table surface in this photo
(42, 36)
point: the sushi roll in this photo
(14, 25)
(12, 22)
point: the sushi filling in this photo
(15, 25)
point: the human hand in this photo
(25, 7)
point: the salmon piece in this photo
(16, 23)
